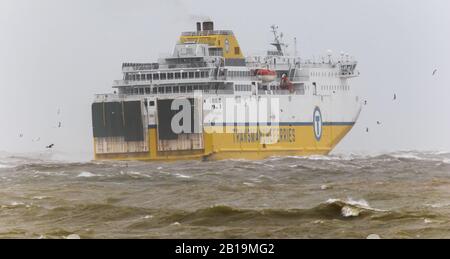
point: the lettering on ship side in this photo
(252, 136)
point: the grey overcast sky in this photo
(56, 54)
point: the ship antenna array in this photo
(295, 48)
(278, 42)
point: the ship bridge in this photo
(221, 43)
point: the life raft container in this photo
(266, 75)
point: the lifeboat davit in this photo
(266, 75)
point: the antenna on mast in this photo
(278, 42)
(295, 47)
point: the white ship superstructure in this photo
(310, 105)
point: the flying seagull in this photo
(50, 146)
(20, 135)
(434, 72)
(395, 97)
(367, 130)
(378, 122)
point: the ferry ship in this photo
(207, 101)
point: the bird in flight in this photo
(395, 97)
(378, 122)
(435, 72)
(50, 146)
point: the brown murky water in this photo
(401, 195)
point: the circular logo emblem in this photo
(318, 123)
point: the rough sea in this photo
(398, 195)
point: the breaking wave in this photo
(332, 209)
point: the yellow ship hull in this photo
(245, 144)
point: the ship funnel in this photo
(199, 26)
(208, 26)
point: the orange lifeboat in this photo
(286, 84)
(266, 75)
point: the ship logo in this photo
(318, 123)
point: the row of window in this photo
(167, 76)
(243, 88)
(325, 74)
(335, 88)
(239, 74)
(168, 89)
(238, 88)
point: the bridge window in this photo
(197, 74)
(183, 89)
(141, 90)
(155, 76)
(191, 75)
(177, 75)
(163, 76)
(168, 89)
(161, 90)
(176, 89)
(184, 75)
(147, 90)
(170, 76)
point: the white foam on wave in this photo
(319, 158)
(6, 166)
(438, 205)
(324, 187)
(373, 237)
(359, 203)
(350, 212)
(353, 208)
(86, 175)
(439, 153)
(183, 176)
(439, 156)
(40, 197)
(17, 204)
(73, 237)
(408, 156)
